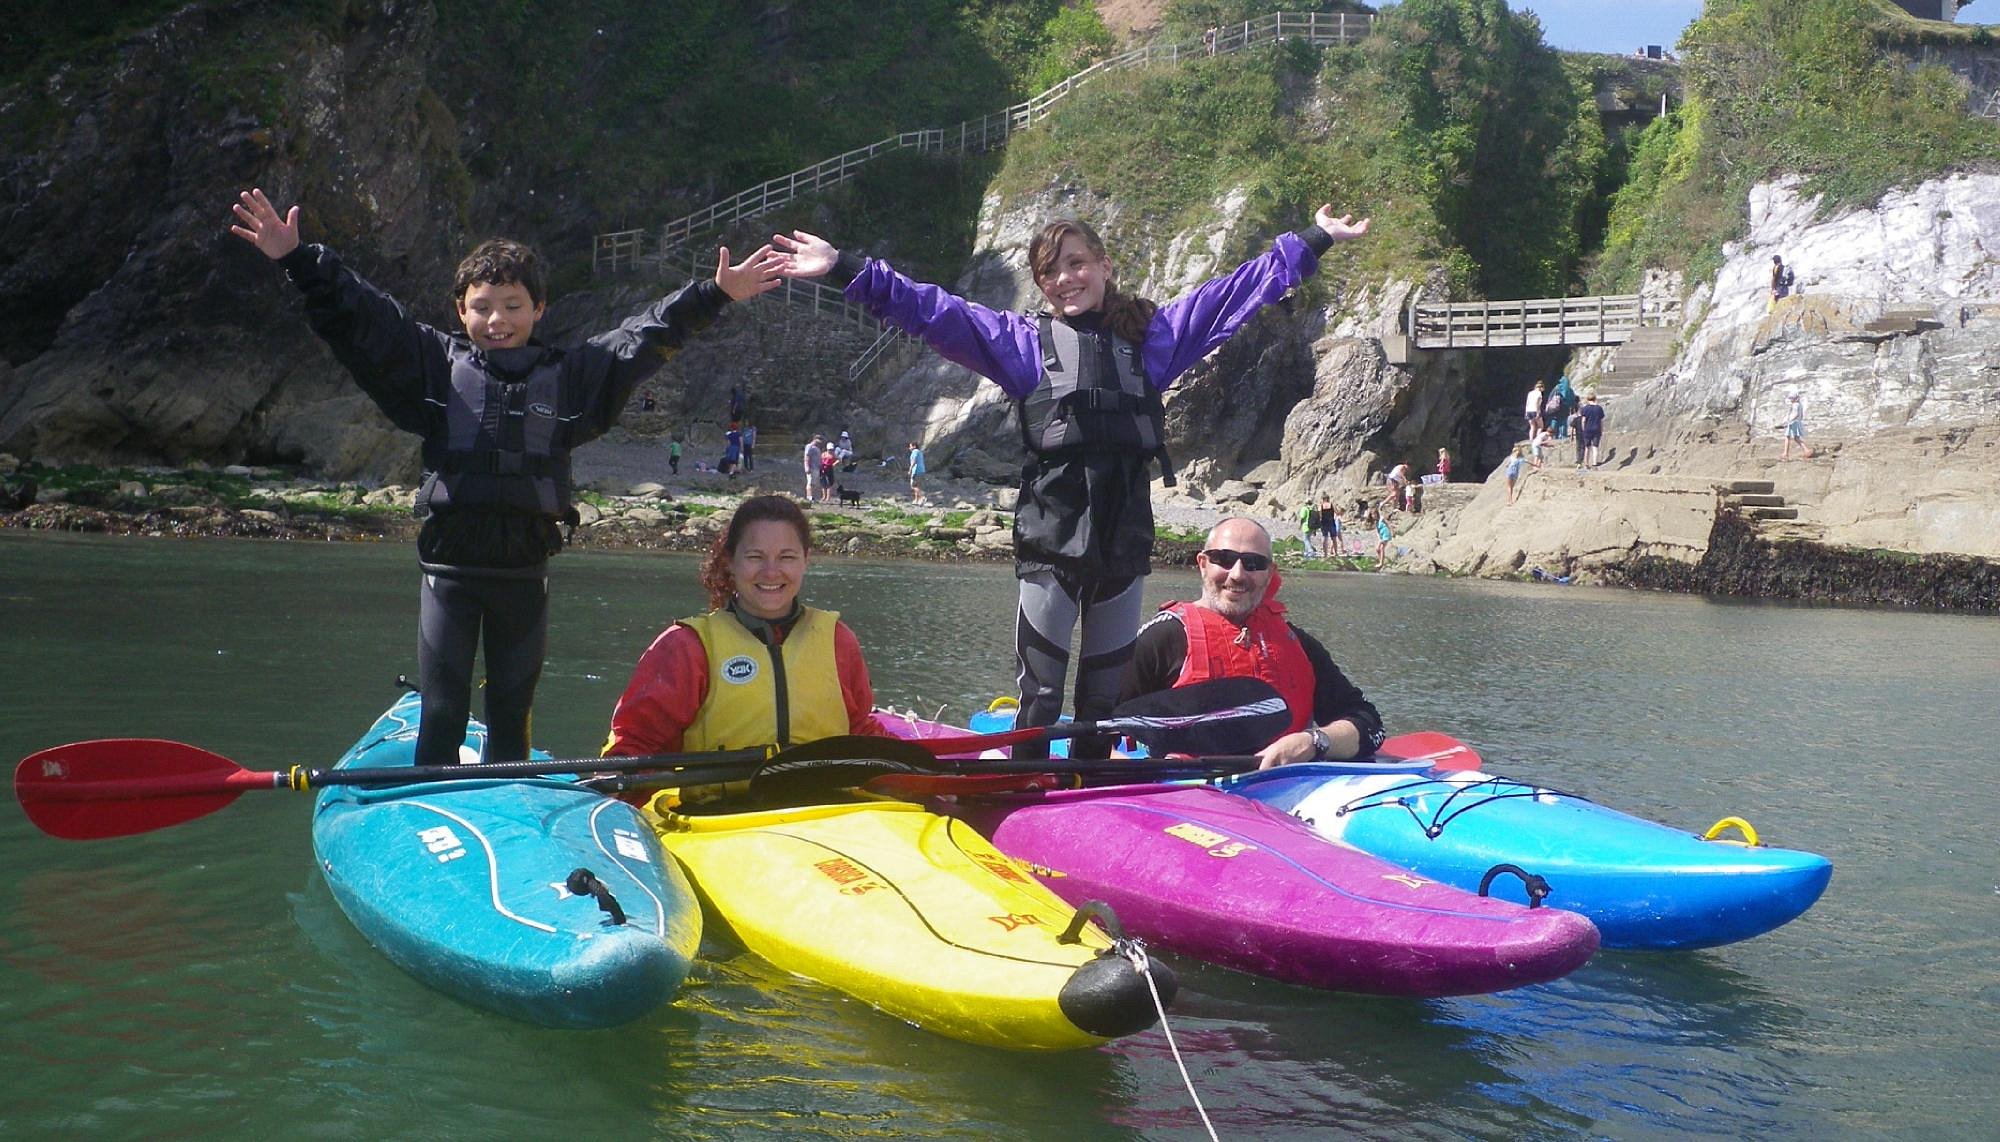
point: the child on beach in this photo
(499, 414)
(1513, 474)
(1086, 376)
(1381, 522)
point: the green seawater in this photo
(200, 981)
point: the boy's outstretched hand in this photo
(806, 255)
(1343, 228)
(755, 274)
(258, 224)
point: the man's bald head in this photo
(1234, 590)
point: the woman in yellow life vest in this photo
(760, 667)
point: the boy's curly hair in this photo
(501, 261)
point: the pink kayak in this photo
(1227, 880)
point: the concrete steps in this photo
(1647, 353)
(1756, 500)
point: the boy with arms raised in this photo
(499, 414)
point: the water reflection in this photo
(202, 977)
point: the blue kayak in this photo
(468, 886)
(1643, 884)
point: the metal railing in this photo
(1601, 320)
(625, 249)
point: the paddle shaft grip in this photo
(503, 770)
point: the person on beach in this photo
(1086, 376)
(499, 414)
(1308, 526)
(1543, 443)
(1329, 527)
(1592, 422)
(1512, 473)
(813, 450)
(749, 448)
(917, 470)
(1398, 480)
(1444, 466)
(1795, 426)
(1238, 629)
(1381, 522)
(674, 456)
(828, 458)
(760, 667)
(1533, 410)
(732, 451)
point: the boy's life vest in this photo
(1093, 397)
(505, 443)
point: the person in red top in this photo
(1238, 629)
(760, 667)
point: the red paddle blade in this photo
(1442, 750)
(116, 787)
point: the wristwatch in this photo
(1320, 743)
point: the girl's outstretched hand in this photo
(258, 224)
(805, 255)
(755, 274)
(1343, 228)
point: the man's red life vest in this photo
(1265, 647)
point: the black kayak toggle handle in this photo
(584, 882)
(1090, 910)
(1538, 889)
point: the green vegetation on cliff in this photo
(1468, 141)
(1823, 89)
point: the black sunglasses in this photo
(1224, 558)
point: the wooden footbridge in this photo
(1644, 329)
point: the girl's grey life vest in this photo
(504, 444)
(1093, 397)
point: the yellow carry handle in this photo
(1716, 830)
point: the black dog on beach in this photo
(848, 496)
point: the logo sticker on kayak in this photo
(541, 409)
(1015, 920)
(630, 847)
(1217, 844)
(739, 670)
(852, 878)
(442, 843)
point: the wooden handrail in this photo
(969, 137)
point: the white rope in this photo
(1136, 952)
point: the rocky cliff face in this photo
(1894, 344)
(139, 329)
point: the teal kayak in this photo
(535, 898)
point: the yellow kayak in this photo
(915, 914)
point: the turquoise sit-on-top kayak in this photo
(535, 898)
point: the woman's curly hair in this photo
(716, 578)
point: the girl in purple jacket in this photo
(1086, 376)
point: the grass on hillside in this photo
(1817, 88)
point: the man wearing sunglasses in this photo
(1238, 629)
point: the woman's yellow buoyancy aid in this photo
(756, 698)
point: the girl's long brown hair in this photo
(715, 575)
(1125, 315)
